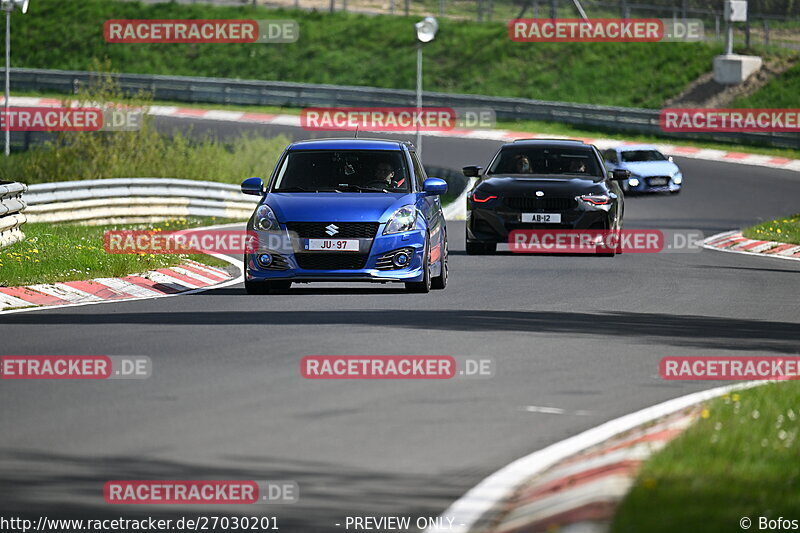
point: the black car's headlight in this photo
(596, 199)
(404, 219)
(265, 219)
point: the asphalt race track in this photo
(226, 399)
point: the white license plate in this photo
(333, 245)
(658, 181)
(542, 218)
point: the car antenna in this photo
(356, 132)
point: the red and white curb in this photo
(190, 277)
(582, 492)
(734, 241)
(486, 503)
(496, 135)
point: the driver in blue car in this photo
(384, 176)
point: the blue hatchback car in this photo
(651, 171)
(347, 210)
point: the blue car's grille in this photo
(551, 204)
(344, 230)
(334, 261)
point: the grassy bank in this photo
(784, 229)
(379, 51)
(141, 153)
(780, 92)
(54, 253)
(740, 460)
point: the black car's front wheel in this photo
(481, 248)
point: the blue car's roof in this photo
(346, 144)
(635, 147)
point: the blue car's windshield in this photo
(639, 156)
(366, 171)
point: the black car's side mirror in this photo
(472, 171)
(620, 174)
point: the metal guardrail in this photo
(11, 216)
(134, 200)
(276, 93)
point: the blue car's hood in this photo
(337, 207)
(651, 168)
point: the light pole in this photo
(8, 6)
(426, 31)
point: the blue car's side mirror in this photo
(434, 186)
(253, 186)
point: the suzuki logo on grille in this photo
(540, 193)
(332, 230)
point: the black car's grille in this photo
(335, 261)
(345, 230)
(546, 204)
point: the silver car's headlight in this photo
(404, 219)
(677, 178)
(265, 219)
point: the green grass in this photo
(54, 253)
(742, 460)
(784, 229)
(780, 92)
(379, 51)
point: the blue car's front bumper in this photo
(372, 263)
(644, 186)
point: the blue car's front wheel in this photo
(423, 286)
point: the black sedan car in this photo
(541, 184)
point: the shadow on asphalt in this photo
(61, 486)
(678, 330)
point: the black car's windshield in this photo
(638, 156)
(537, 160)
(365, 171)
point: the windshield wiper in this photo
(295, 189)
(359, 188)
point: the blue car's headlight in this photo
(633, 181)
(677, 178)
(265, 219)
(404, 219)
